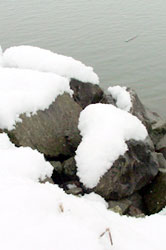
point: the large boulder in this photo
(86, 93)
(53, 131)
(130, 172)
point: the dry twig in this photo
(61, 207)
(109, 234)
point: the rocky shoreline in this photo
(134, 185)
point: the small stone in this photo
(75, 191)
(50, 180)
(117, 209)
(162, 161)
(57, 166)
(162, 143)
(122, 205)
(69, 167)
(135, 212)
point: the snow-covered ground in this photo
(36, 216)
(40, 216)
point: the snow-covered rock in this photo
(29, 57)
(130, 172)
(27, 91)
(52, 131)
(121, 96)
(113, 157)
(105, 130)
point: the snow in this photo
(20, 162)
(121, 96)
(41, 216)
(29, 57)
(104, 129)
(26, 91)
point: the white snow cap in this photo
(121, 96)
(104, 129)
(26, 91)
(28, 57)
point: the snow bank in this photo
(22, 162)
(41, 216)
(28, 57)
(26, 91)
(104, 129)
(121, 96)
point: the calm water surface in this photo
(96, 32)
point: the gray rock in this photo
(48, 179)
(117, 209)
(161, 145)
(131, 205)
(161, 161)
(75, 191)
(154, 194)
(138, 109)
(136, 200)
(57, 166)
(122, 204)
(69, 167)
(108, 99)
(158, 131)
(53, 131)
(153, 117)
(132, 171)
(135, 212)
(163, 151)
(86, 93)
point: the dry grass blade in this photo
(61, 208)
(109, 234)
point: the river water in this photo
(98, 33)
